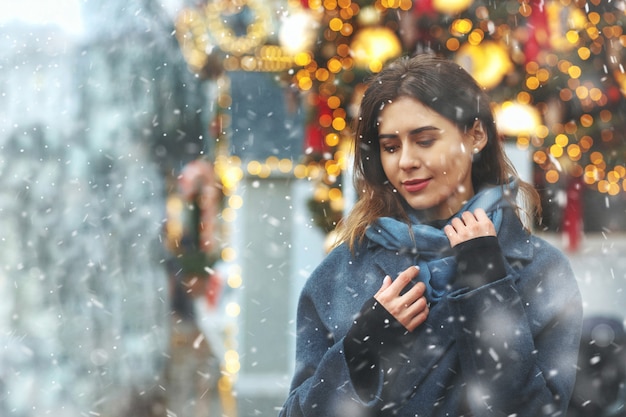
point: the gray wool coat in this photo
(508, 348)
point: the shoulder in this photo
(538, 262)
(332, 268)
(549, 272)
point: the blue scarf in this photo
(430, 245)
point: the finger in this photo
(468, 218)
(480, 214)
(457, 224)
(417, 306)
(403, 279)
(486, 225)
(452, 235)
(413, 294)
(386, 283)
(417, 319)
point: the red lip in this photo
(413, 186)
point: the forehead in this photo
(408, 113)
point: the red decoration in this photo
(315, 140)
(539, 37)
(423, 7)
(213, 289)
(197, 182)
(573, 215)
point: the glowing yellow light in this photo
(523, 97)
(335, 24)
(542, 131)
(335, 194)
(300, 171)
(591, 174)
(322, 74)
(228, 254)
(572, 36)
(515, 119)
(613, 189)
(556, 151)
(297, 32)
(305, 83)
(285, 165)
(254, 167)
(574, 152)
(266, 171)
(332, 139)
(586, 120)
(334, 65)
(532, 83)
(229, 215)
(552, 176)
(461, 26)
(582, 92)
(476, 37)
(523, 142)
(231, 177)
(524, 9)
(488, 62)
(451, 6)
(333, 102)
(586, 142)
(543, 75)
(375, 65)
(346, 29)
(339, 123)
(596, 158)
(333, 169)
(584, 53)
(561, 140)
(594, 17)
(595, 94)
(234, 281)
(453, 44)
(612, 177)
(374, 43)
(231, 361)
(235, 201)
(574, 71)
(302, 59)
(232, 309)
(540, 157)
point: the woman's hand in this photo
(469, 226)
(411, 308)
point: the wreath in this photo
(225, 37)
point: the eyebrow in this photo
(411, 132)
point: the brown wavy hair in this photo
(449, 90)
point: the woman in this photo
(437, 301)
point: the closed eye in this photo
(389, 148)
(425, 143)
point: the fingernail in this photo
(417, 267)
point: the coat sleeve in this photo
(518, 339)
(321, 385)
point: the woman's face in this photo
(426, 158)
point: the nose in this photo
(408, 159)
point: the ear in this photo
(479, 136)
